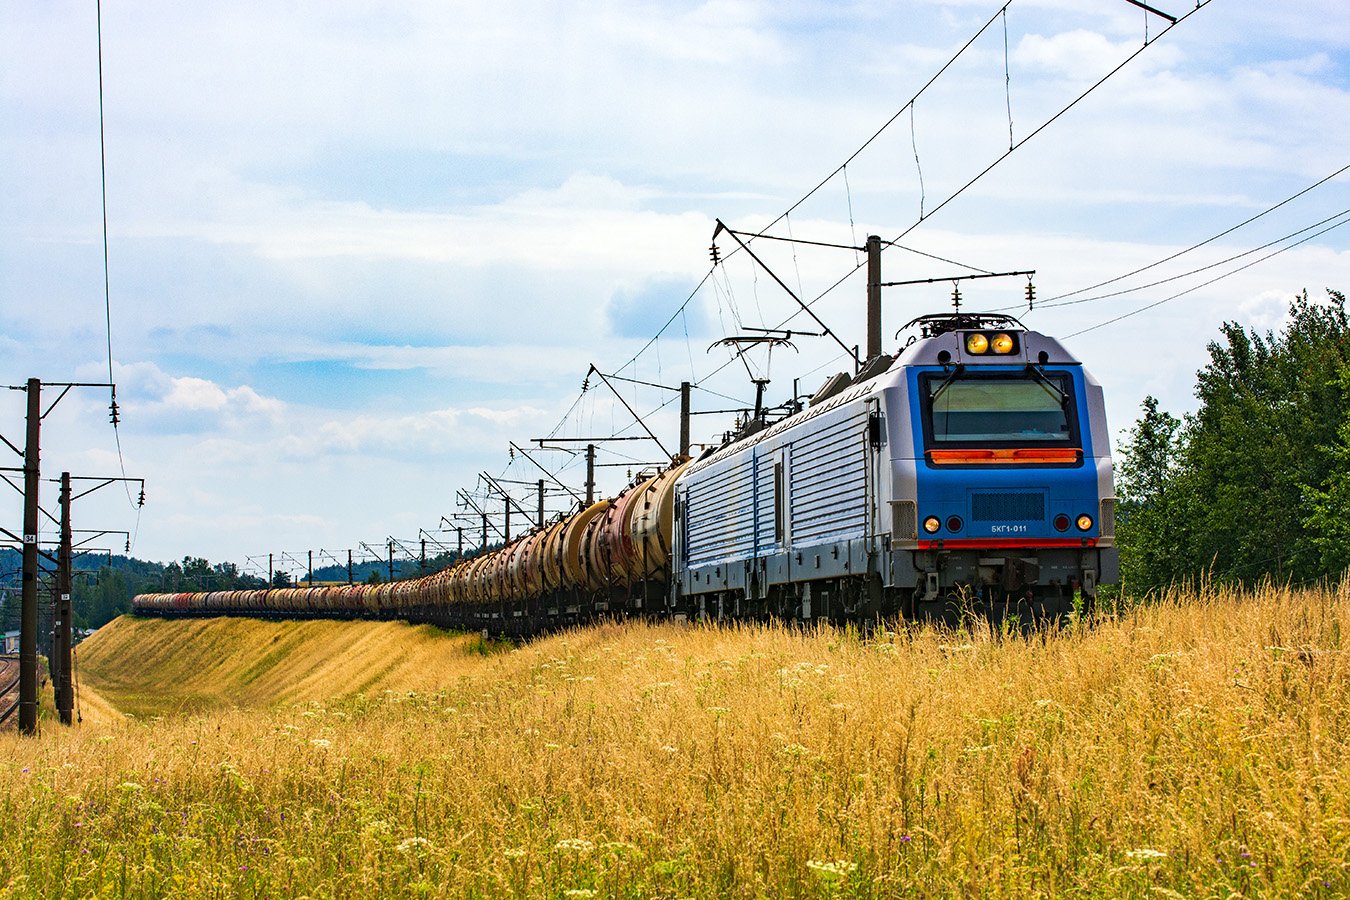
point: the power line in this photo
(1208, 240)
(909, 105)
(107, 288)
(1197, 287)
(1195, 271)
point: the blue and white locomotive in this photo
(970, 470)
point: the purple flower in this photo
(906, 838)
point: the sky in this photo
(355, 250)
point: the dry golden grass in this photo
(1194, 748)
(154, 666)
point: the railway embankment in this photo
(146, 667)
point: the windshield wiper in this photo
(1044, 381)
(947, 382)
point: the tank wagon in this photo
(969, 472)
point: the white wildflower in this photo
(1145, 853)
(576, 845)
(414, 845)
(832, 869)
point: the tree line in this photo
(101, 592)
(1256, 482)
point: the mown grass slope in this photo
(154, 666)
(1198, 747)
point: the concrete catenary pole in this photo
(28, 616)
(873, 296)
(590, 474)
(684, 418)
(61, 653)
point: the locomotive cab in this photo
(1002, 479)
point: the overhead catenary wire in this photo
(1209, 240)
(1157, 303)
(907, 106)
(1197, 270)
(107, 280)
(925, 215)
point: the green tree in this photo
(1253, 482)
(1328, 520)
(1150, 530)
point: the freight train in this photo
(968, 473)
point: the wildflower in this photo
(1145, 853)
(579, 893)
(669, 749)
(414, 845)
(832, 869)
(130, 787)
(718, 710)
(513, 853)
(793, 750)
(574, 844)
(904, 838)
(321, 743)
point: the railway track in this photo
(9, 689)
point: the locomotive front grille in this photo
(1106, 521)
(1007, 507)
(904, 520)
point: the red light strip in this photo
(1015, 456)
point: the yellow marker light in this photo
(1085, 522)
(1003, 343)
(977, 343)
(931, 524)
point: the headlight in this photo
(1061, 522)
(931, 524)
(954, 523)
(1085, 522)
(977, 343)
(1003, 343)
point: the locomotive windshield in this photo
(1018, 409)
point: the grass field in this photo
(1193, 748)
